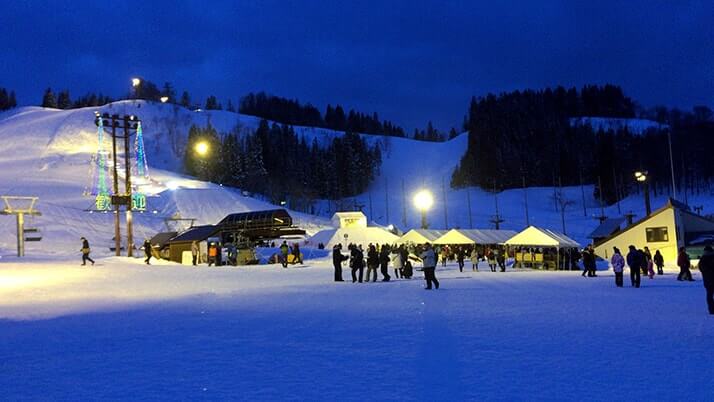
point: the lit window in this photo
(657, 234)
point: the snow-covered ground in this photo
(124, 331)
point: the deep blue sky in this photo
(411, 61)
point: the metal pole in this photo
(20, 234)
(127, 180)
(117, 231)
(443, 192)
(525, 198)
(404, 206)
(386, 198)
(648, 209)
(423, 219)
(671, 163)
(468, 201)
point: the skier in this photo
(356, 263)
(474, 260)
(460, 255)
(372, 262)
(384, 263)
(147, 251)
(659, 262)
(684, 264)
(85, 252)
(337, 258)
(706, 267)
(194, 252)
(634, 262)
(618, 265)
(296, 254)
(284, 249)
(428, 259)
(397, 262)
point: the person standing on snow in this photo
(284, 250)
(650, 264)
(147, 251)
(384, 262)
(589, 262)
(194, 252)
(372, 262)
(684, 264)
(634, 261)
(706, 267)
(474, 259)
(491, 255)
(460, 255)
(356, 263)
(397, 263)
(337, 258)
(428, 259)
(85, 252)
(659, 262)
(296, 254)
(618, 265)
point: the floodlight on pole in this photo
(135, 82)
(641, 176)
(201, 148)
(164, 99)
(423, 200)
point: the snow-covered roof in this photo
(421, 236)
(541, 237)
(356, 235)
(475, 236)
(607, 227)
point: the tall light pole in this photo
(423, 200)
(671, 163)
(641, 176)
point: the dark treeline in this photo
(292, 112)
(63, 100)
(7, 99)
(528, 136)
(276, 162)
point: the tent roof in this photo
(356, 235)
(421, 236)
(475, 236)
(541, 237)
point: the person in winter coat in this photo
(444, 255)
(706, 267)
(659, 262)
(356, 263)
(397, 262)
(297, 257)
(460, 255)
(337, 258)
(618, 265)
(428, 258)
(384, 262)
(212, 254)
(501, 260)
(684, 264)
(194, 252)
(491, 255)
(589, 262)
(650, 264)
(147, 251)
(85, 252)
(634, 261)
(474, 260)
(372, 262)
(284, 250)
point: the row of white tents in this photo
(532, 236)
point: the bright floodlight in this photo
(641, 176)
(201, 148)
(423, 200)
(164, 99)
(135, 82)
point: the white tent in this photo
(421, 236)
(475, 236)
(541, 237)
(356, 235)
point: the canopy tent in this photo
(421, 236)
(356, 235)
(541, 237)
(475, 236)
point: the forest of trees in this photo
(527, 136)
(64, 101)
(7, 99)
(292, 112)
(275, 162)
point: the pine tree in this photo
(230, 106)
(185, 100)
(63, 100)
(212, 103)
(48, 100)
(169, 92)
(4, 99)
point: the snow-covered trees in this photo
(48, 99)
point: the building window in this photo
(657, 234)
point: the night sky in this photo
(410, 61)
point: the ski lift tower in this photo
(21, 206)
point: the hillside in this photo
(47, 153)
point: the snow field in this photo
(122, 330)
